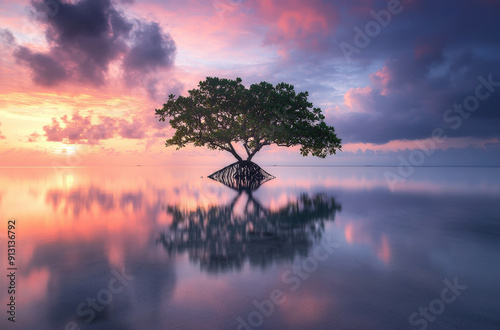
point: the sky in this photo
(409, 82)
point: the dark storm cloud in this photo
(459, 23)
(87, 36)
(411, 101)
(84, 37)
(429, 58)
(47, 71)
(426, 59)
(152, 48)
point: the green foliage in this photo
(221, 112)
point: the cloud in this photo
(397, 88)
(296, 24)
(427, 62)
(408, 99)
(6, 37)
(2, 137)
(131, 130)
(46, 70)
(80, 130)
(33, 137)
(152, 49)
(87, 36)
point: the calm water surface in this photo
(315, 248)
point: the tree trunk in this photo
(236, 156)
(234, 153)
(253, 154)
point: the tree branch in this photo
(246, 148)
(232, 151)
(259, 146)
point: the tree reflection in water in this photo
(220, 239)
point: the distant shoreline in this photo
(268, 165)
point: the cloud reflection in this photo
(199, 248)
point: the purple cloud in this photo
(80, 130)
(85, 37)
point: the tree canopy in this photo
(223, 112)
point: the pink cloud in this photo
(296, 23)
(81, 130)
(2, 137)
(239, 29)
(423, 144)
(33, 137)
(355, 96)
(131, 130)
(381, 79)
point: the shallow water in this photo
(315, 248)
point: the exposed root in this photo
(242, 175)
